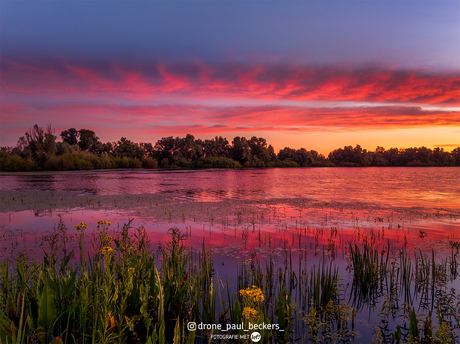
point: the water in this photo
(418, 207)
(427, 188)
(307, 215)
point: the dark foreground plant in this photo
(121, 292)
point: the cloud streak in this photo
(198, 119)
(149, 80)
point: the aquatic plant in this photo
(124, 292)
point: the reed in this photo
(124, 292)
(369, 266)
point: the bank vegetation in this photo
(39, 149)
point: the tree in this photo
(378, 157)
(241, 151)
(456, 156)
(188, 149)
(148, 149)
(107, 147)
(271, 153)
(40, 144)
(349, 156)
(70, 136)
(286, 153)
(88, 139)
(317, 156)
(64, 148)
(164, 148)
(127, 148)
(217, 147)
(303, 157)
(259, 150)
(392, 156)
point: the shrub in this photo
(214, 162)
(323, 163)
(126, 162)
(164, 163)
(148, 162)
(14, 163)
(60, 163)
(134, 163)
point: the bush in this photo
(349, 164)
(148, 162)
(283, 163)
(14, 163)
(181, 163)
(60, 163)
(78, 161)
(323, 163)
(214, 162)
(134, 163)
(126, 162)
(64, 148)
(418, 163)
(164, 163)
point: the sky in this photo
(313, 74)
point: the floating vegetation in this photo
(124, 290)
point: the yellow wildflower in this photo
(131, 270)
(106, 250)
(252, 295)
(108, 239)
(82, 225)
(103, 222)
(250, 313)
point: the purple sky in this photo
(313, 74)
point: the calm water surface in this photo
(427, 188)
(283, 231)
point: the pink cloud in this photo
(197, 80)
(198, 119)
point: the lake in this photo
(306, 215)
(428, 188)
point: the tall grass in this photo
(122, 291)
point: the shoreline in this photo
(179, 169)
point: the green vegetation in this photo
(120, 291)
(81, 149)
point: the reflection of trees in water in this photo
(86, 183)
(42, 182)
(43, 212)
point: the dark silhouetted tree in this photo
(259, 151)
(88, 139)
(286, 153)
(240, 150)
(70, 136)
(217, 147)
(303, 157)
(165, 148)
(456, 156)
(127, 148)
(38, 144)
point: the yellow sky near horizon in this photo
(326, 141)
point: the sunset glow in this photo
(294, 90)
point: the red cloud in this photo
(196, 119)
(198, 80)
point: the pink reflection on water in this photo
(306, 232)
(428, 188)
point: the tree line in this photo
(39, 149)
